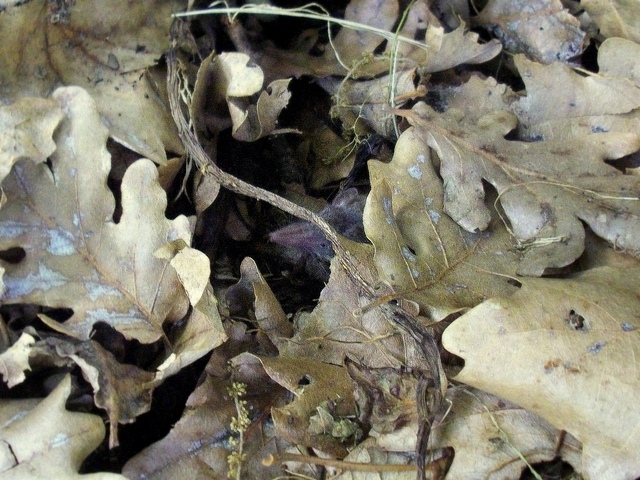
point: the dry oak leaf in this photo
(566, 350)
(15, 360)
(313, 383)
(26, 130)
(197, 447)
(545, 188)
(492, 436)
(75, 255)
(123, 390)
(48, 441)
(542, 29)
(334, 329)
(423, 254)
(561, 102)
(46, 44)
(615, 18)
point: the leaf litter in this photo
(368, 339)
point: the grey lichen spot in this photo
(408, 254)
(388, 210)
(415, 172)
(596, 347)
(420, 158)
(627, 327)
(60, 242)
(96, 290)
(11, 229)
(45, 279)
(435, 216)
(60, 440)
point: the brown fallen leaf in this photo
(545, 188)
(565, 350)
(615, 18)
(314, 384)
(26, 131)
(542, 29)
(123, 390)
(419, 250)
(47, 441)
(76, 256)
(198, 446)
(562, 103)
(47, 44)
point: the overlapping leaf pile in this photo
(487, 172)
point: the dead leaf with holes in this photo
(564, 349)
(544, 188)
(47, 44)
(197, 446)
(562, 103)
(319, 388)
(542, 29)
(46, 440)
(75, 255)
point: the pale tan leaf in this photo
(123, 390)
(419, 250)
(26, 130)
(49, 441)
(616, 18)
(545, 188)
(561, 102)
(313, 384)
(77, 257)
(46, 44)
(349, 44)
(335, 328)
(566, 350)
(492, 436)
(15, 360)
(201, 333)
(251, 122)
(542, 29)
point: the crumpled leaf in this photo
(123, 390)
(26, 128)
(491, 436)
(313, 384)
(542, 29)
(252, 297)
(49, 441)
(46, 44)
(561, 102)
(419, 250)
(197, 446)
(615, 18)
(439, 51)
(76, 256)
(544, 188)
(231, 77)
(334, 329)
(15, 360)
(554, 339)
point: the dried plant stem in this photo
(207, 166)
(330, 462)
